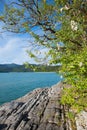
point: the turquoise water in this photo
(15, 85)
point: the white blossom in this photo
(58, 46)
(61, 9)
(80, 64)
(74, 25)
(64, 8)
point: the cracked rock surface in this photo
(38, 110)
(81, 121)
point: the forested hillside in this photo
(22, 68)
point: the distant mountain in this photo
(31, 68)
(14, 68)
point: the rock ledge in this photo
(38, 110)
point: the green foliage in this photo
(71, 115)
(74, 56)
(42, 68)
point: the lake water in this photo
(15, 85)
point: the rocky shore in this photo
(38, 110)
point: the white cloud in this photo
(13, 47)
(13, 51)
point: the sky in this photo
(13, 49)
(12, 46)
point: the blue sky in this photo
(12, 46)
(13, 49)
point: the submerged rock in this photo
(38, 110)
